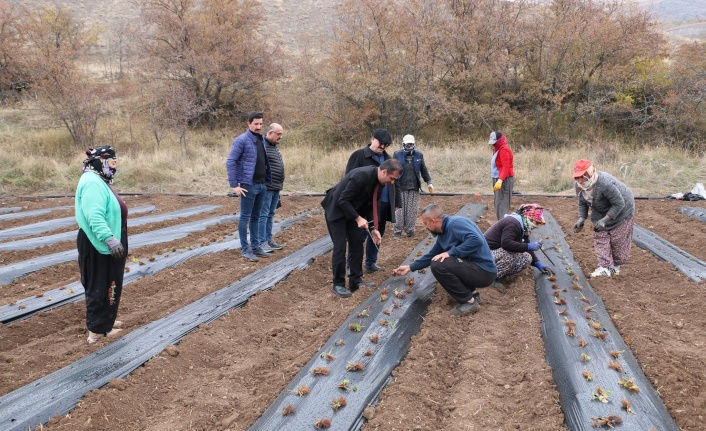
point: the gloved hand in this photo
(431, 188)
(498, 185)
(545, 270)
(116, 248)
(600, 226)
(534, 246)
(579, 224)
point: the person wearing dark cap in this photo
(502, 170)
(413, 171)
(101, 242)
(374, 155)
(612, 214)
(509, 242)
(248, 174)
(349, 207)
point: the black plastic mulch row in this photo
(576, 302)
(32, 213)
(59, 392)
(16, 270)
(44, 226)
(394, 337)
(694, 212)
(4, 210)
(691, 266)
(74, 292)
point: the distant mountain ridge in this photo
(668, 11)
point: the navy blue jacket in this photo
(242, 159)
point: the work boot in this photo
(341, 291)
(499, 287)
(466, 308)
(373, 268)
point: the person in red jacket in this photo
(502, 171)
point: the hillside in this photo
(305, 23)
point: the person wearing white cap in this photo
(409, 184)
(502, 171)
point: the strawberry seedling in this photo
(615, 365)
(602, 395)
(610, 421)
(374, 338)
(322, 423)
(355, 327)
(585, 357)
(369, 352)
(629, 384)
(355, 366)
(301, 391)
(320, 371)
(582, 343)
(587, 375)
(340, 342)
(345, 385)
(387, 311)
(395, 304)
(338, 403)
(627, 406)
(616, 353)
(288, 410)
(328, 357)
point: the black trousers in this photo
(461, 277)
(102, 278)
(346, 232)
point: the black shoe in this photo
(410, 234)
(341, 291)
(499, 286)
(260, 252)
(372, 268)
(275, 245)
(357, 286)
(466, 308)
(398, 234)
(476, 295)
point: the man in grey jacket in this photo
(271, 201)
(612, 214)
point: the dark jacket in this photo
(276, 166)
(508, 234)
(419, 167)
(242, 159)
(352, 196)
(364, 157)
(610, 197)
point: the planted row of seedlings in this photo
(589, 366)
(392, 301)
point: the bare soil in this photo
(479, 372)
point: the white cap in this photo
(494, 136)
(408, 139)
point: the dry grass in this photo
(38, 158)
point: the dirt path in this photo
(485, 371)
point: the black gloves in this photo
(600, 226)
(579, 224)
(116, 248)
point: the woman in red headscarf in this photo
(612, 207)
(509, 242)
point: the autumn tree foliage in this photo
(540, 67)
(213, 55)
(50, 48)
(14, 75)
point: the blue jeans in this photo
(267, 215)
(250, 208)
